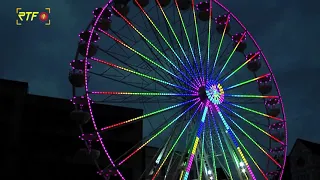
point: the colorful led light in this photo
(197, 37)
(256, 112)
(158, 133)
(174, 94)
(215, 93)
(140, 74)
(187, 36)
(209, 40)
(195, 145)
(143, 56)
(234, 141)
(249, 96)
(269, 68)
(252, 159)
(141, 93)
(147, 115)
(166, 41)
(255, 126)
(236, 70)
(87, 94)
(220, 143)
(254, 142)
(246, 82)
(213, 153)
(202, 155)
(175, 143)
(227, 61)
(220, 44)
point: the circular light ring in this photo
(215, 93)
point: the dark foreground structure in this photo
(41, 142)
(304, 160)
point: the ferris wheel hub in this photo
(214, 92)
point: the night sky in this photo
(286, 31)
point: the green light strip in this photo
(248, 153)
(162, 36)
(256, 112)
(236, 70)
(158, 133)
(187, 36)
(174, 34)
(202, 154)
(220, 44)
(221, 145)
(246, 82)
(197, 36)
(149, 114)
(209, 40)
(230, 150)
(176, 142)
(255, 126)
(254, 142)
(213, 153)
(140, 54)
(230, 56)
(140, 74)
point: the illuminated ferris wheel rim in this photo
(215, 102)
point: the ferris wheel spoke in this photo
(148, 115)
(230, 56)
(197, 36)
(188, 39)
(139, 97)
(202, 154)
(249, 96)
(157, 134)
(246, 82)
(145, 57)
(147, 64)
(220, 144)
(140, 74)
(254, 111)
(228, 129)
(212, 151)
(220, 44)
(233, 155)
(253, 125)
(154, 47)
(175, 143)
(195, 144)
(209, 40)
(237, 69)
(254, 142)
(135, 85)
(248, 153)
(165, 40)
(140, 93)
(145, 138)
(162, 64)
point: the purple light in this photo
(87, 92)
(269, 68)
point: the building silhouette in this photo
(41, 141)
(304, 160)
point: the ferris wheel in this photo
(210, 99)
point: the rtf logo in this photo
(31, 15)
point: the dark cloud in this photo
(285, 30)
